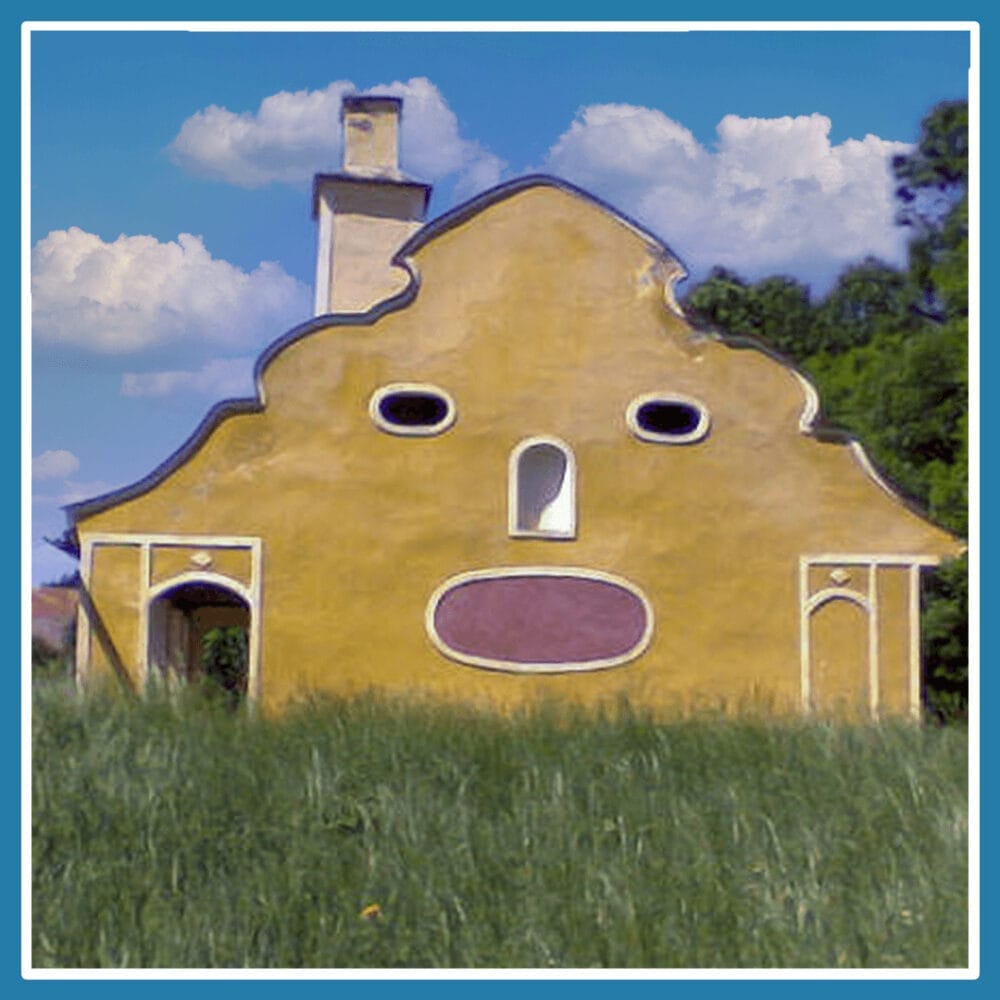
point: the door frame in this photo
(147, 592)
(867, 598)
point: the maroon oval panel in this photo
(541, 619)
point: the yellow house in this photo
(499, 465)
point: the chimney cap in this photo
(331, 182)
(369, 102)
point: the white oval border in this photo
(704, 419)
(512, 667)
(406, 430)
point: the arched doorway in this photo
(840, 655)
(199, 634)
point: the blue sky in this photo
(765, 151)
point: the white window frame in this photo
(514, 528)
(411, 430)
(700, 431)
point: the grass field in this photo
(373, 835)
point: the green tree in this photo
(945, 640)
(775, 310)
(905, 396)
(721, 302)
(868, 299)
(933, 189)
(935, 175)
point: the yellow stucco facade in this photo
(773, 567)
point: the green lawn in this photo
(188, 837)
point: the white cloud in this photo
(292, 136)
(56, 464)
(136, 293)
(627, 144)
(774, 195)
(223, 378)
(71, 491)
(77, 491)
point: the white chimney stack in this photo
(366, 212)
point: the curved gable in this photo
(534, 297)
(496, 195)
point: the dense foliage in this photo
(223, 661)
(379, 835)
(888, 351)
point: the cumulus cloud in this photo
(55, 464)
(137, 292)
(292, 136)
(774, 193)
(222, 378)
(55, 469)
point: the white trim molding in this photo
(821, 597)
(810, 408)
(324, 252)
(200, 576)
(147, 592)
(914, 596)
(854, 559)
(863, 459)
(517, 667)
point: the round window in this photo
(667, 419)
(411, 409)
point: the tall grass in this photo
(190, 837)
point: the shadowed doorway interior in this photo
(198, 635)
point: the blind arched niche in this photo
(542, 490)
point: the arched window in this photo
(542, 489)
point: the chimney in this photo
(366, 212)
(371, 136)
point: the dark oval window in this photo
(412, 409)
(668, 419)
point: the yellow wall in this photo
(541, 315)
